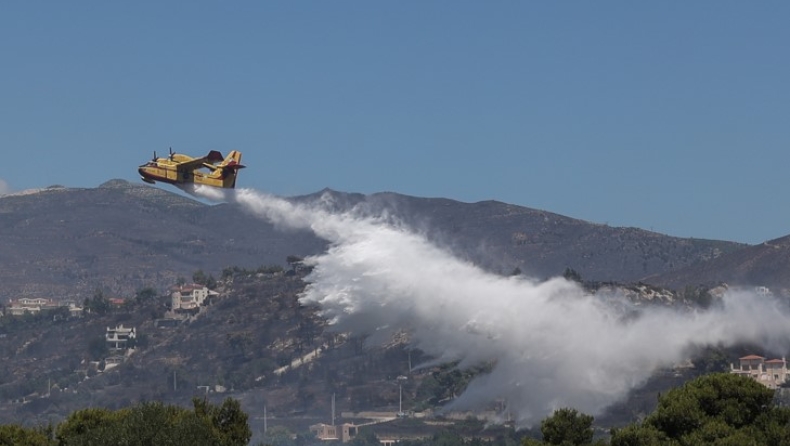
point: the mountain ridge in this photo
(121, 236)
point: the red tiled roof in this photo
(751, 357)
(775, 361)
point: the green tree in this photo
(716, 409)
(158, 424)
(145, 295)
(81, 422)
(732, 399)
(567, 427)
(14, 435)
(97, 304)
(199, 277)
(228, 420)
(97, 348)
(638, 435)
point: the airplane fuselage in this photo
(183, 169)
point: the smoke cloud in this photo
(551, 344)
(4, 187)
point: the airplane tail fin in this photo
(229, 168)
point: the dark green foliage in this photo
(567, 427)
(13, 435)
(82, 422)
(228, 420)
(158, 424)
(716, 409)
(712, 360)
(97, 348)
(201, 278)
(731, 399)
(636, 435)
(145, 295)
(97, 304)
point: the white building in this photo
(190, 297)
(32, 305)
(771, 373)
(118, 338)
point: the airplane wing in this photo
(196, 163)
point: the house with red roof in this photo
(771, 373)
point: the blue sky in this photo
(670, 116)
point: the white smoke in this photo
(551, 345)
(4, 188)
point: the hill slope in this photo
(119, 237)
(542, 244)
(766, 264)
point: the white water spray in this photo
(551, 345)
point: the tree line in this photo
(718, 409)
(148, 423)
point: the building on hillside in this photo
(771, 373)
(763, 291)
(326, 432)
(32, 305)
(189, 297)
(118, 338)
(75, 311)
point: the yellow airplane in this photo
(183, 169)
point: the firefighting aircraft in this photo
(179, 169)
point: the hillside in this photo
(542, 244)
(254, 342)
(766, 264)
(120, 237)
